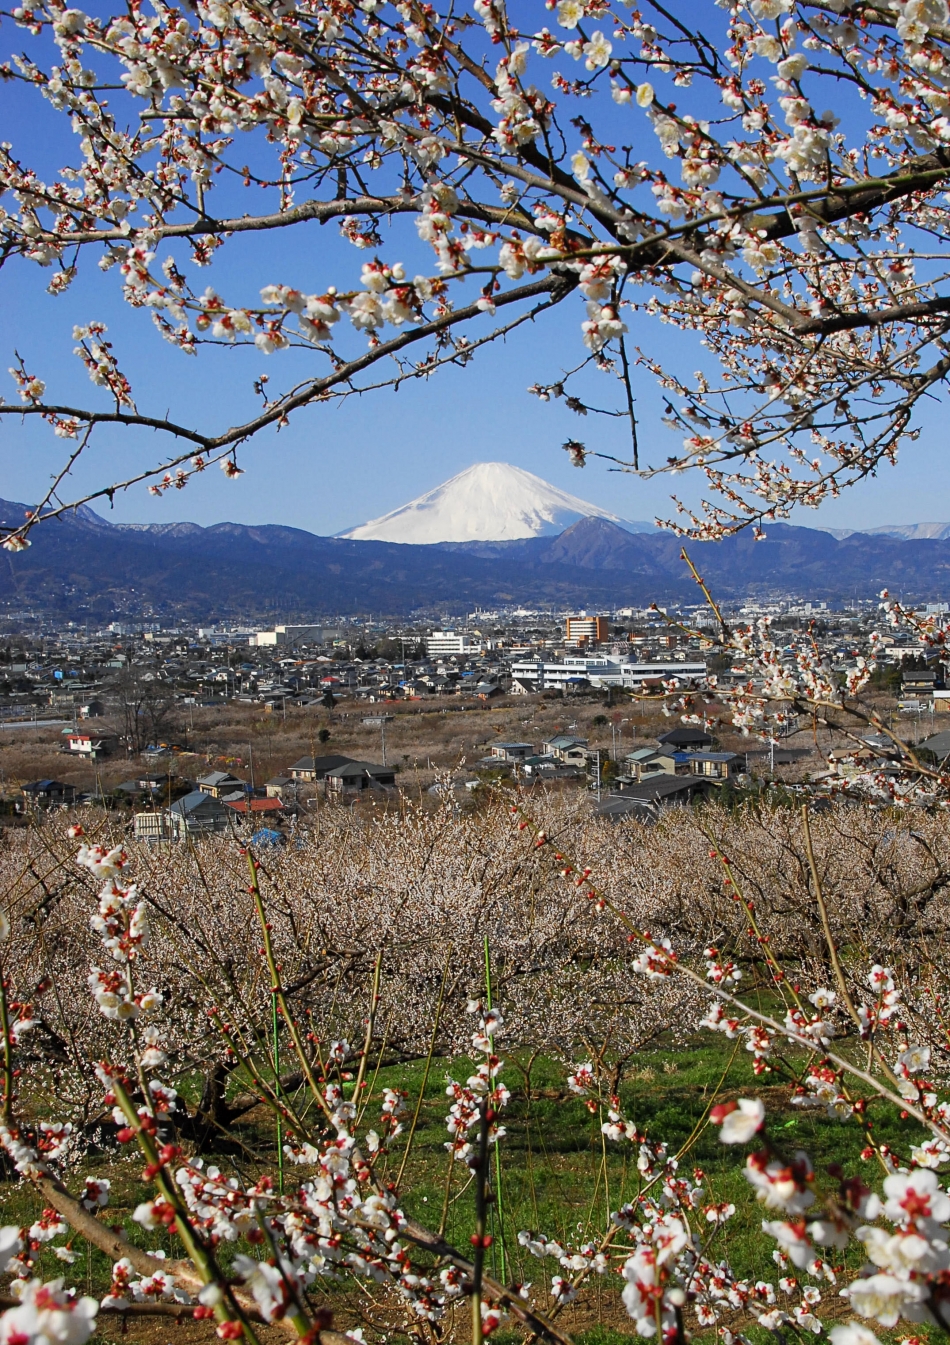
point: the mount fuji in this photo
(490, 502)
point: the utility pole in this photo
(382, 730)
(598, 775)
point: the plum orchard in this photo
(768, 176)
(121, 969)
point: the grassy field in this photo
(557, 1176)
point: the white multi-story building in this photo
(603, 672)
(444, 643)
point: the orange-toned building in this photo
(587, 630)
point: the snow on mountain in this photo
(906, 532)
(915, 532)
(490, 502)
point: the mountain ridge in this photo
(81, 567)
(908, 532)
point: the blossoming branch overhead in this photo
(767, 176)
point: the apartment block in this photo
(587, 630)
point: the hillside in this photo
(82, 567)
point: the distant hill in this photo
(82, 567)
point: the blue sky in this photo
(340, 464)
(337, 465)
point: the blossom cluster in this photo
(759, 218)
(483, 1095)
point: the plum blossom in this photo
(915, 1197)
(270, 1285)
(915, 1059)
(570, 13)
(11, 1244)
(780, 1185)
(852, 1333)
(47, 1314)
(886, 1298)
(792, 1238)
(741, 1120)
(597, 51)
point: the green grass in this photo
(554, 1159)
(558, 1176)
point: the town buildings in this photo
(130, 695)
(442, 643)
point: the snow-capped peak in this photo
(490, 502)
(906, 532)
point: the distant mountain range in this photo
(908, 532)
(81, 567)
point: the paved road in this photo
(34, 723)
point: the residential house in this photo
(549, 768)
(308, 770)
(856, 760)
(90, 745)
(714, 765)
(357, 776)
(414, 688)
(665, 790)
(685, 739)
(646, 762)
(199, 813)
(219, 783)
(617, 808)
(568, 750)
(144, 784)
(280, 786)
(539, 765)
(47, 794)
(512, 751)
(921, 682)
(255, 806)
